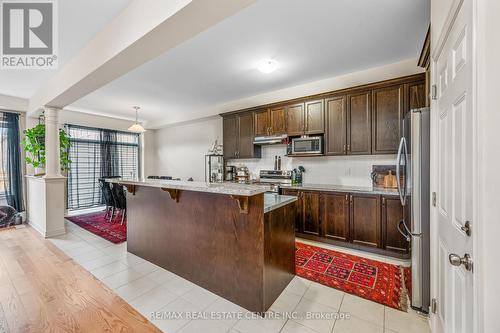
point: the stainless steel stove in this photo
(274, 178)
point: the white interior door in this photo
(455, 199)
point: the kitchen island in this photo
(233, 240)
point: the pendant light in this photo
(136, 128)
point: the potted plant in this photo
(34, 147)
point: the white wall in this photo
(488, 226)
(181, 149)
(338, 170)
(13, 103)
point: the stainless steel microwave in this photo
(306, 145)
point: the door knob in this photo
(456, 260)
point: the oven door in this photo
(307, 146)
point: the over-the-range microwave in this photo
(306, 145)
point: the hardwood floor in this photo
(43, 290)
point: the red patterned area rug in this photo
(100, 226)
(374, 280)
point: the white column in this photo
(52, 165)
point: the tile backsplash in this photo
(339, 170)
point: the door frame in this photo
(476, 225)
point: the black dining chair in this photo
(108, 197)
(120, 199)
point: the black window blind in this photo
(97, 153)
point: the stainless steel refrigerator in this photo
(412, 172)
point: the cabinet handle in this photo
(345, 150)
(351, 199)
(348, 147)
(383, 201)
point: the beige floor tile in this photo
(136, 288)
(324, 295)
(298, 286)
(322, 317)
(205, 326)
(165, 321)
(364, 309)
(405, 322)
(356, 325)
(153, 300)
(293, 327)
(286, 302)
(201, 297)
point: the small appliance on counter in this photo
(297, 175)
(274, 178)
(214, 168)
(230, 174)
(242, 175)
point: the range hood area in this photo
(269, 140)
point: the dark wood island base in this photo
(221, 242)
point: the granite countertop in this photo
(220, 188)
(273, 201)
(343, 188)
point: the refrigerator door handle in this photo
(406, 232)
(398, 174)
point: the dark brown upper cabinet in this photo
(262, 122)
(361, 120)
(336, 124)
(365, 226)
(270, 122)
(335, 216)
(359, 130)
(388, 105)
(238, 135)
(392, 214)
(277, 118)
(315, 117)
(295, 119)
(230, 135)
(417, 95)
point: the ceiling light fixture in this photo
(267, 66)
(136, 128)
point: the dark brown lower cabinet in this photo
(335, 216)
(392, 214)
(299, 225)
(363, 221)
(311, 212)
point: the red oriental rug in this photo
(98, 225)
(374, 280)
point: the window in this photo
(10, 161)
(96, 153)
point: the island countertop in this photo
(274, 201)
(220, 188)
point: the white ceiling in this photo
(79, 22)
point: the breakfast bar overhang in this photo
(234, 240)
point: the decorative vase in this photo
(40, 171)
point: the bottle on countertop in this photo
(275, 162)
(294, 177)
(279, 163)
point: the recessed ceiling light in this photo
(267, 66)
